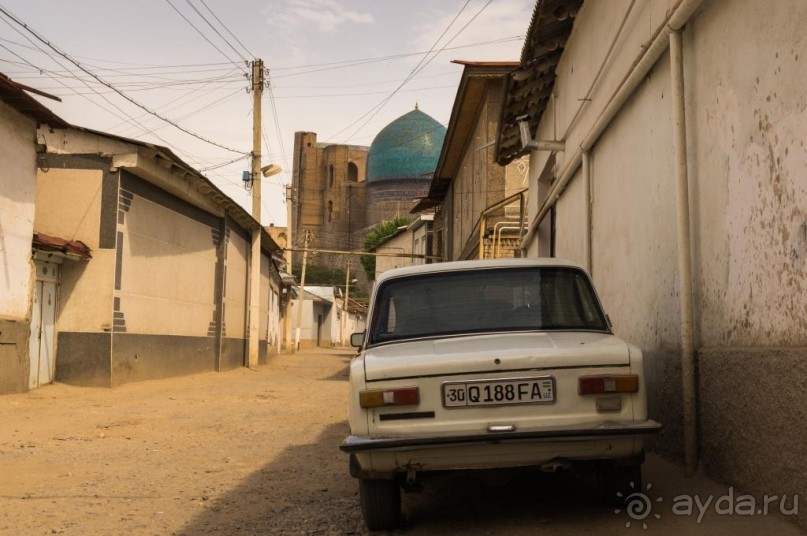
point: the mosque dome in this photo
(408, 147)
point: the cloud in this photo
(504, 18)
(325, 15)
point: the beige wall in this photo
(747, 120)
(480, 182)
(168, 272)
(748, 124)
(420, 237)
(69, 206)
(746, 112)
(469, 188)
(400, 244)
(17, 194)
(269, 328)
(235, 285)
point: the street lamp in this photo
(271, 169)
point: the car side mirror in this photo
(357, 339)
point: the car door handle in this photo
(501, 428)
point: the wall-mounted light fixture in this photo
(527, 141)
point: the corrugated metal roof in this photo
(529, 88)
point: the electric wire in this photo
(107, 84)
(227, 29)
(200, 32)
(218, 166)
(92, 101)
(420, 67)
(217, 32)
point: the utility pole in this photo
(288, 254)
(255, 180)
(301, 299)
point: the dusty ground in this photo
(255, 452)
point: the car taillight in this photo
(597, 385)
(404, 396)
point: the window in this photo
(487, 300)
(330, 211)
(352, 172)
(330, 176)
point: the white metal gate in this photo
(43, 320)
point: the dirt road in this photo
(255, 452)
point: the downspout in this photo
(587, 205)
(482, 219)
(641, 66)
(688, 390)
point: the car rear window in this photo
(485, 300)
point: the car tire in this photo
(621, 484)
(380, 503)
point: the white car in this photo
(488, 365)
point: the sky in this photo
(332, 63)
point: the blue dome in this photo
(409, 146)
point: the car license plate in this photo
(499, 392)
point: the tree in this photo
(375, 237)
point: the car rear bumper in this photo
(602, 430)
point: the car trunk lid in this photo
(496, 352)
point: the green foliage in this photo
(320, 275)
(377, 235)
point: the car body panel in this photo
(428, 435)
(476, 353)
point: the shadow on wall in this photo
(663, 374)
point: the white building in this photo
(682, 186)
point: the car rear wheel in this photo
(380, 503)
(620, 483)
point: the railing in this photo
(480, 230)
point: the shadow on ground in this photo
(307, 490)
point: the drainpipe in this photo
(482, 223)
(497, 245)
(688, 389)
(642, 65)
(587, 205)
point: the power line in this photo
(217, 166)
(276, 119)
(335, 95)
(218, 102)
(237, 53)
(331, 65)
(200, 32)
(420, 67)
(227, 29)
(376, 59)
(107, 84)
(68, 87)
(375, 109)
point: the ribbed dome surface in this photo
(408, 146)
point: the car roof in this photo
(475, 265)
